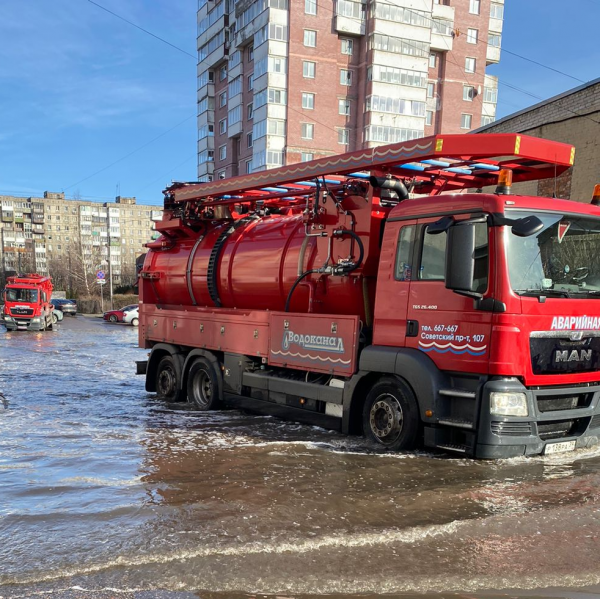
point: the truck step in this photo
(456, 448)
(457, 423)
(458, 393)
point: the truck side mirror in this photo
(460, 259)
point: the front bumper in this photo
(20, 323)
(556, 415)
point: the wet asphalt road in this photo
(106, 491)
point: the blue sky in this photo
(80, 89)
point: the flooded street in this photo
(106, 491)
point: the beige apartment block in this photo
(53, 232)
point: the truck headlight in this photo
(36, 319)
(508, 403)
(8, 318)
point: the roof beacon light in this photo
(596, 195)
(504, 182)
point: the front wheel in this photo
(168, 380)
(203, 387)
(112, 318)
(54, 319)
(391, 415)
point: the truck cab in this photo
(27, 303)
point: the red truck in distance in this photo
(27, 303)
(351, 293)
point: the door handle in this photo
(412, 328)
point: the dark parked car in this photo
(66, 306)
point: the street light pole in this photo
(110, 279)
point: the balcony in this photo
(492, 55)
(349, 25)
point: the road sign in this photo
(101, 281)
(100, 274)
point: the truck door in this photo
(393, 283)
(445, 325)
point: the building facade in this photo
(39, 234)
(573, 118)
(285, 81)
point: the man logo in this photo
(583, 355)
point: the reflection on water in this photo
(104, 487)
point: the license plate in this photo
(559, 447)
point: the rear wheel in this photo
(54, 319)
(135, 322)
(112, 318)
(391, 415)
(168, 380)
(203, 386)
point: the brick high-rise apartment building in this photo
(283, 81)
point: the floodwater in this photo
(106, 491)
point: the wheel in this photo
(167, 380)
(203, 386)
(54, 319)
(391, 415)
(135, 322)
(112, 318)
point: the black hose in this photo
(361, 247)
(298, 280)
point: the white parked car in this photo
(132, 317)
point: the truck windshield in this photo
(28, 296)
(559, 261)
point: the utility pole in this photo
(110, 280)
(3, 255)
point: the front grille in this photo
(556, 429)
(21, 311)
(511, 429)
(556, 403)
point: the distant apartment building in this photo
(285, 81)
(36, 233)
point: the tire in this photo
(54, 319)
(135, 322)
(203, 385)
(112, 318)
(168, 380)
(391, 415)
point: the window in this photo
(250, 82)
(495, 40)
(347, 46)
(490, 94)
(310, 7)
(308, 131)
(344, 107)
(345, 77)
(470, 65)
(474, 6)
(429, 117)
(307, 156)
(486, 120)
(404, 253)
(223, 72)
(308, 69)
(250, 53)
(310, 38)
(472, 36)
(468, 93)
(223, 126)
(276, 127)
(277, 96)
(465, 121)
(433, 257)
(496, 11)
(308, 101)
(249, 140)
(430, 90)
(248, 166)
(222, 99)
(432, 60)
(250, 111)
(344, 136)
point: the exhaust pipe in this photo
(390, 184)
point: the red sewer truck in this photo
(350, 292)
(27, 303)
